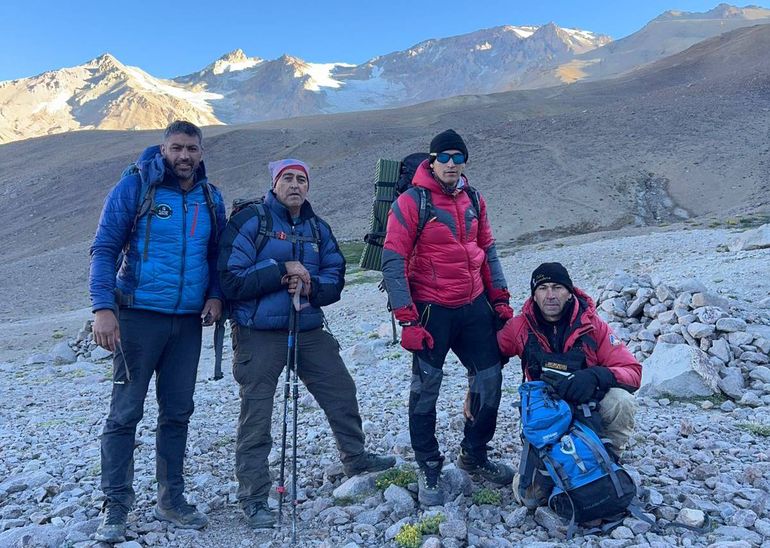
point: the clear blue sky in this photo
(172, 38)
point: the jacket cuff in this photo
(407, 314)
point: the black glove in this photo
(581, 386)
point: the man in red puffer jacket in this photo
(559, 335)
(447, 290)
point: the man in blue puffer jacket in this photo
(165, 218)
(259, 281)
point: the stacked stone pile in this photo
(691, 342)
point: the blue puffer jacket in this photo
(252, 282)
(179, 271)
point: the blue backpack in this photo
(587, 482)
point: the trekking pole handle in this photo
(296, 296)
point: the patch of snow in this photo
(321, 76)
(196, 98)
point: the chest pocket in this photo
(537, 361)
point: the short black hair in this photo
(183, 126)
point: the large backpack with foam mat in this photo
(588, 484)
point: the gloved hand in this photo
(416, 338)
(504, 312)
(500, 299)
(581, 386)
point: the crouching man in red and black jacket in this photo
(560, 335)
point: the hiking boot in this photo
(368, 462)
(496, 472)
(112, 529)
(428, 477)
(184, 516)
(536, 494)
(258, 515)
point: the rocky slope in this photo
(697, 457)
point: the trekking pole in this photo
(281, 489)
(295, 397)
(219, 342)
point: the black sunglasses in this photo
(444, 157)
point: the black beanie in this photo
(448, 140)
(550, 273)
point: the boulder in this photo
(678, 370)
(699, 330)
(729, 325)
(759, 238)
(732, 384)
(62, 353)
(709, 299)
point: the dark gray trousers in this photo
(169, 346)
(259, 358)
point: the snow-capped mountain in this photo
(667, 34)
(105, 94)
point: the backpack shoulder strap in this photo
(473, 194)
(425, 206)
(265, 225)
(208, 194)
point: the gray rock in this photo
(699, 330)
(516, 518)
(453, 528)
(709, 299)
(721, 349)
(456, 481)
(758, 238)
(551, 521)
(667, 317)
(399, 497)
(739, 338)
(371, 517)
(709, 314)
(762, 526)
(760, 373)
(755, 357)
(728, 406)
(25, 480)
(44, 536)
(732, 384)
(355, 487)
(664, 293)
(743, 518)
(671, 338)
(730, 325)
(750, 399)
(615, 306)
(62, 353)
(362, 353)
(657, 309)
(738, 533)
(691, 285)
(392, 531)
(645, 335)
(691, 517)
(99, 353)
(678, 370)
(38, 358)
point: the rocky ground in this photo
(698, 457)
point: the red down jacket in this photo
(453, 261)
(609, 350)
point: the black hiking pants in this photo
(470, 332)
(168, 346)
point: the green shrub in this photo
(755, 428)
(409, 536)
(487, 496)
(395, 476)
(429, 525)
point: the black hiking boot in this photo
(496, 472)
(368, 462)
(184, 516)
(112, 529)
(428, 483)
(259, 516)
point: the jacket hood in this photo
(153, 168)
(423, 177)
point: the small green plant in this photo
(57, 335)
(755, 428)
(487, 496)
(395, 476)
(429, 525)
(410, 536)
